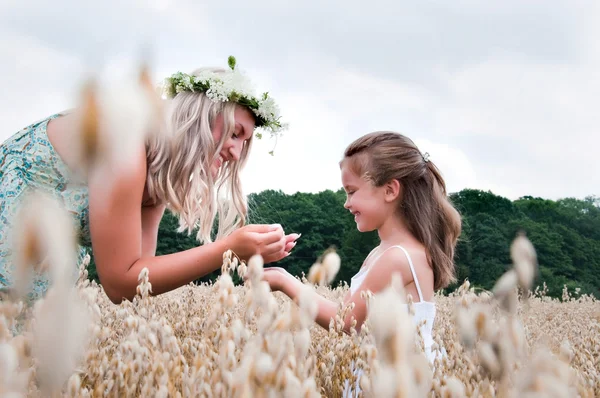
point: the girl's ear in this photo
(392, 190)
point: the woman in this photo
(209, 127)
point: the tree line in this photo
(565, 233)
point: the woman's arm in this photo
(151, 216)
(119, 249)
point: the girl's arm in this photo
(377, 279)
(291, 287)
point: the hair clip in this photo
(425, 157)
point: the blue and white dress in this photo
(29, 161)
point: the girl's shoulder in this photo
(370, 257)
(408, 260)
(392, 260)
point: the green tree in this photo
(565, 233)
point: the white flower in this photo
(230, 85)
(218, 91)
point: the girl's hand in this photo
(267, 240)
(277, 278)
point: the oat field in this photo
(221, 340)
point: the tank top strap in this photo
(366, 265)
(412, 270)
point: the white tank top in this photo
(424, 310)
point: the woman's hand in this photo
(267, 240)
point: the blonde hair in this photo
(383, 156)
(179, 166)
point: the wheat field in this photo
(221, 340)
(226, 340)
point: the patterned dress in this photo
(28, 161)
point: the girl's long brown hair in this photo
(383, 156)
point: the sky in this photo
(503, 95)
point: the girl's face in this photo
(366, 202)
(232, 148)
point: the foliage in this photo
(565, 233)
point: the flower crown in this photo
(229, 86)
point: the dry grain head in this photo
(309, 307)
(506, 284)
(113, 121)
(44, 241)
(61, 334)
(316, 274)
(9, 361)
(524, 259)
(154, 98)
(302, 343)
(331, 265)
(392, 326)
(453, 388)
(255, 269)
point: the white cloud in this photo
(36, 81)
(456, 168)
(527, 126)
(306, 157)
(349, 105)
(502, 95)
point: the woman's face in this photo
(232, 148)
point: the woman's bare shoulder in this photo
(63, 134)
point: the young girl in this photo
(393, 188)
(212, 116)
